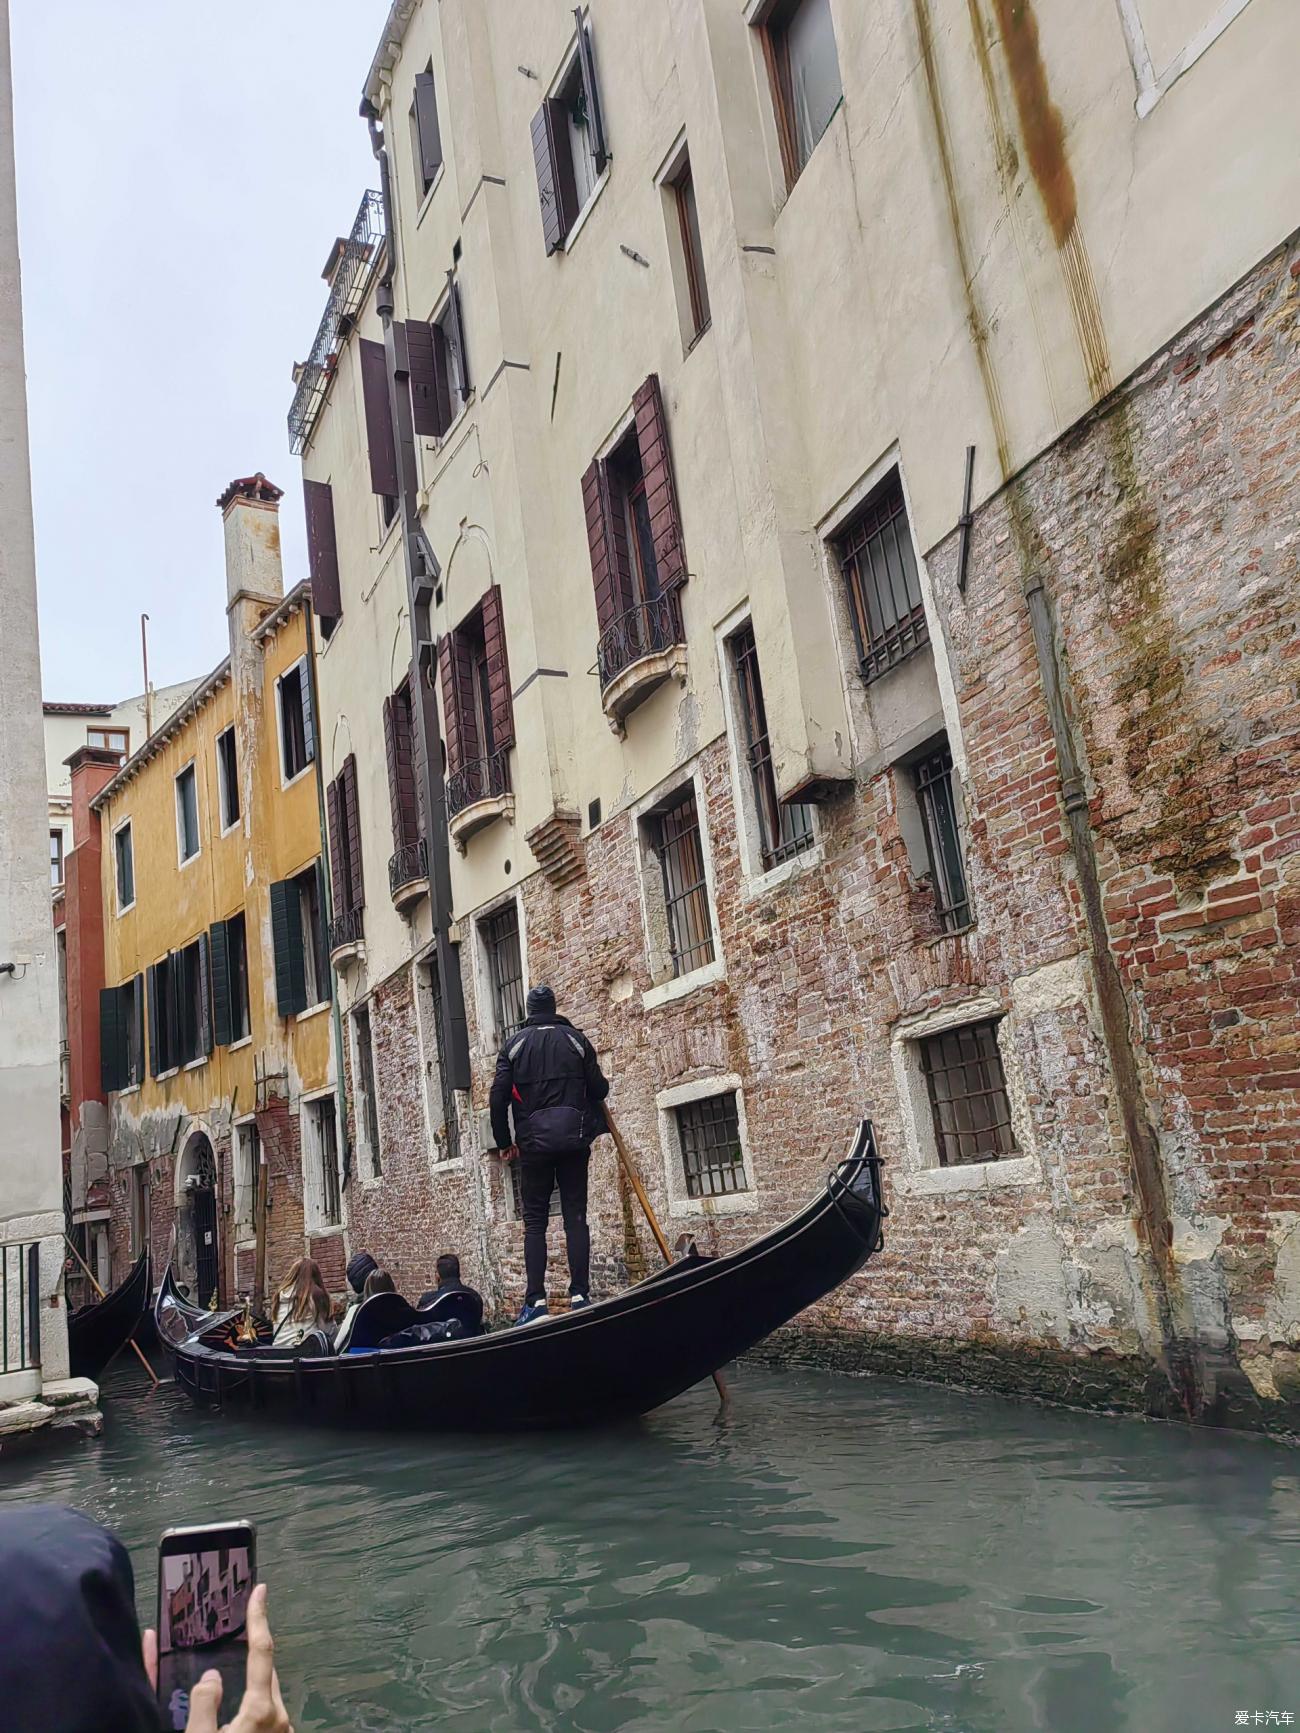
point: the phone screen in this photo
(205, 1576)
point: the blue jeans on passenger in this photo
(539, 1175)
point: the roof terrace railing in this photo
(352, 276)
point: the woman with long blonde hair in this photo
(301, 1304)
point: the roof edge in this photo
(399, 17)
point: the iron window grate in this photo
(680, 852)
(713, 1163)
(879, 567)
(935, 797)
(784, 830)
(968, 1094)
(505, 970)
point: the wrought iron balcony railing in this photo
(410, 865)
(348, 285)
(347, 929)
(648, 629)
(481, 779)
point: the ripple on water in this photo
(845, 1554)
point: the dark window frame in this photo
(503, 951)
(688, 221)
(58, 865)
(706, 1128)
(228, 804)
(774, 29)
(315, 939)
(124, 830)
(241, 1026)
(187, 777)
(367, 1087)
(676, 837)
(297, 742)
(936, 798)
(785, 829)
(972, 1123)
(886, 607)
(323, 1112)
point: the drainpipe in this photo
(336, 1015)
(422, 572)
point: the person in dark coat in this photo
(447, 1271)
(549, 1078)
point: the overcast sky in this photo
(183, 166)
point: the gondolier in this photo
(549, 1079)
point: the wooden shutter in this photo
(172, 1009)
(456, 330)
(591, 91)
(494, 642)
(661, 494)
(308, 714)
(430, 385)
(205, 995)
(426, 127)
(155, 1018)
(379, 423)
(605, 572)
(219, 960)
(400, 756)
(451, 731)
(462, 650)
(356, 898)
(322, 550)
(338, 868)
(286, 944)
(137, 1017)
(554, 166)
(112, 1040)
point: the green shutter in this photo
(155, 1019)
(112, 1041)
(308, 716)
(172, 1010)
(137, 1023)
(205, 995)
(286, 942)
(219, 962)
(324, 974)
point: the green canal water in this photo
(844, 1554)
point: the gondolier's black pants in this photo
(539, 1175)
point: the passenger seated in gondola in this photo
(377, 1282)
(301, 1305)
(449, 1282)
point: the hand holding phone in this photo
(262, 1710)
(206, 1577)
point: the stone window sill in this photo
(681, 985)
(1015, 1170)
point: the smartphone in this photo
(205, 1576)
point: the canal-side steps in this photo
(65, 1406)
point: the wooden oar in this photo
(139, 1351)
(634, 1180)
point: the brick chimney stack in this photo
(250, 511)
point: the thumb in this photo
(205, 1701)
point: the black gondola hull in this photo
(98, 1332)
(612, 1361)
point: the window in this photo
(673, 833)
(784, 830)
(426, 135)
(367, 1096)
(248, 1156)
(194, 1039)
(109, 740)
(688, 220)
(56, 858)
(302, 972)
(344, 813)
(933, 779)
(324, 1206)
(884, 591)
(227, 778)
(124, 866)
(505, 970)
(138, 1181)
(399, 750)
(514, 1196)
(478, 711)
(439, 366)
(804, 69)
(187, 815)
(708, 1131)
(570, 149)
(968, 1094)
(632, 532)
(164, 1035)
(232, 949)
(315, 957)
(297, 729)
(121, 1035)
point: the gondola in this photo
(97, 1332)
(611, 1361)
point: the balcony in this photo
(478, 793)
(351, 267)
(408, 874)
(643, 648)
(347, 937)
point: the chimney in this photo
(250, 511)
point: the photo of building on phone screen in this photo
(204, 1597)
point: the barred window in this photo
(713, 1163)
(675, 837)
(324, 1202)
(785, 829)
(936, 798)
(968, 1094)
(501, 947)
(879, 566)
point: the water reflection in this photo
(844, 1554)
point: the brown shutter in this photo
(430, 389)
(352, 821)
(494, 642)
(338, 869)
(398, 743)
(450, 704)
(322, 550)
(426, 126)
(554, 165)
(390, 758)
(661, 494)
(605, 574)
(379, 423)
(462, 650)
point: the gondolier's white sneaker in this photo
(578, 1301)
(531, 1311)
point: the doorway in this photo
(198, 1253)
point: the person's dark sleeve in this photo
(597, 1082)
(499, 1102)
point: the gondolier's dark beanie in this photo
(70, 1659)
(541, 1002)
(359, 1267)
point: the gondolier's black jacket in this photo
(549, 1075)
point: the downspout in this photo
(336, 1015)
(422, 572)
